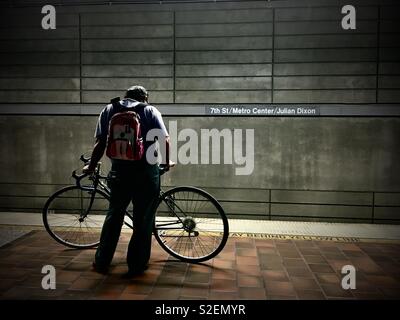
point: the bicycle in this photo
(189, 223)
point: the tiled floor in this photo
(247, 268)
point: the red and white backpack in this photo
(124, 141)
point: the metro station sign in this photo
(263, 110)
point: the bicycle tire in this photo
(64, 234)
(181, 244)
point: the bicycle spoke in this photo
(203, 232)
(74, 216)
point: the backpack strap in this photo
(141, 105)
(117, 106)
(115, 103)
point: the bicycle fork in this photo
(92, 193)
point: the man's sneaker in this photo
(98, 269)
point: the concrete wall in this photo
(295, 157)
(219, 52)
(237, 52)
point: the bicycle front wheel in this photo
(190, 224)
(74, 216)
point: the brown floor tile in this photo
(334, 256)
(314, 259)
(246, 252)
(173, 268)
(107, 294)
(290, 246)
(132, 296)
(277, 297)
(78, 266)
(203, 268)
(305, 244)
(197, 277)
(224, 264)
(34, 281)
(60, 261)
(227, 274)
(289, 254)
(320, 268)
(365, 286)
(280, 241)
(91, 275)
(6, 284)
(301, 284)
(26, 293)
(389, 268)
(223, 285)
(391, 293)
(337, 265)
(299, 272)
(267, 250)
(261, 243)
(378, 258)
(244, 243)
(366, 265)
(89, 257)
(328, 278)
(252, 261)
(309, 251)
(351, 253)
(84, 284)
(382, 281)
(280, 288)
(330, 249)
(252, 293)
(31, 263)
(273, 275)
(369, 295)
(218, 295)
(69, 253)
(348, 247)
(169, 281)
(250, 281)
(270, 262)
(310, 295)
(294, 262)
(228, 255)
(195, 290)
(248, 269)
(164, 294)
(336, 291)
(266, 258)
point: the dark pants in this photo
(139, 183)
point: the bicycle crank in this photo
(189, 225)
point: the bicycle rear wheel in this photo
(74, 216)
(190, 224)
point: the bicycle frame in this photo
(170, 220)
(97, 178)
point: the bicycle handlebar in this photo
(162, 169)
(83, 159)
(78, 178)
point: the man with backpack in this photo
(121, 131)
